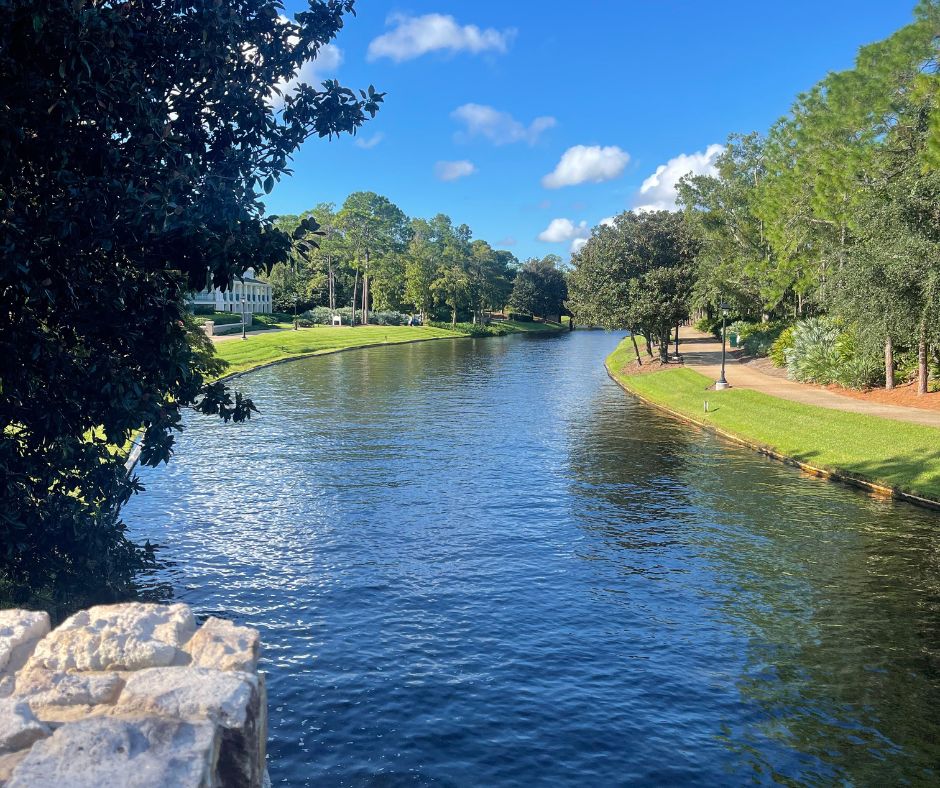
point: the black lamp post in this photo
(722, 382)
(244, 336)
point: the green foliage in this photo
(540, 288)
(780, 346)
(814, 356)
(136, 142)
(834, 210)
(520, 317)
(756, 339)
(474, 329)
(824, 351)
(637, 274)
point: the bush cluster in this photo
(323, 316)
(474, 329)
(756, 338)
(824, 351)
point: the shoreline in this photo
(835, 473)
(134, 455)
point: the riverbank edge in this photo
(330, 351)
(134, 456)
(830, 474)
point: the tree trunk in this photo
(922, 360)
(889, 363)
(677, 339)
(355, 288)
(365, 293)
(649, 345)
(636, 349)
(664, 347)
(332, 284)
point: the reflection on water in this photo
(479, 562)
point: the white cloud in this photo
(413, 36)
(587, 163)
(370, 142)
(452, 170)
(607, 221)
(658, 192)
(564, 230)
(500, 128)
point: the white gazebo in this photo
(257, 295)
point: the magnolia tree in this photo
(136, 141)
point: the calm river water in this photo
(481, 563)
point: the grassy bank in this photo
(256, 351)
(502, 328)
(894, 454)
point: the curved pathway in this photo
(702, 352)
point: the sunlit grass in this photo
(262, 349)
(892, 453)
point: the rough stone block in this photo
(108, 751)
(56, 696)
(19, 727)
(130, 636)
(232, 699)
(20, 631)
(8, 763)
(223, 645)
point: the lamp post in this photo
(295, 312)
(244, 301)
(722, 382)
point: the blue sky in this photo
(527, 119)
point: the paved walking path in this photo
(702, 352)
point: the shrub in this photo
(473, 329)
(756, 338)
(323, 316)
(824, 352)
(780, 346)
(857, 368)
(521, 318)
(814, 357)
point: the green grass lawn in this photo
(533, 327)
(893, 453)
(255, 351)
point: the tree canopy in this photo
(136, 142)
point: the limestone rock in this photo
(130, 636)
(19, 727)
(221, 644)
(8, 763)
(20, 631)
(57, 696)
(107, 751)
(234, 700)
(6, 685)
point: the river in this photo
(479, 562)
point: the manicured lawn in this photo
(533, 327)
(894, 453)
(262, 349)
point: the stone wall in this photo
(130, 695)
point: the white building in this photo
(257, 296)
